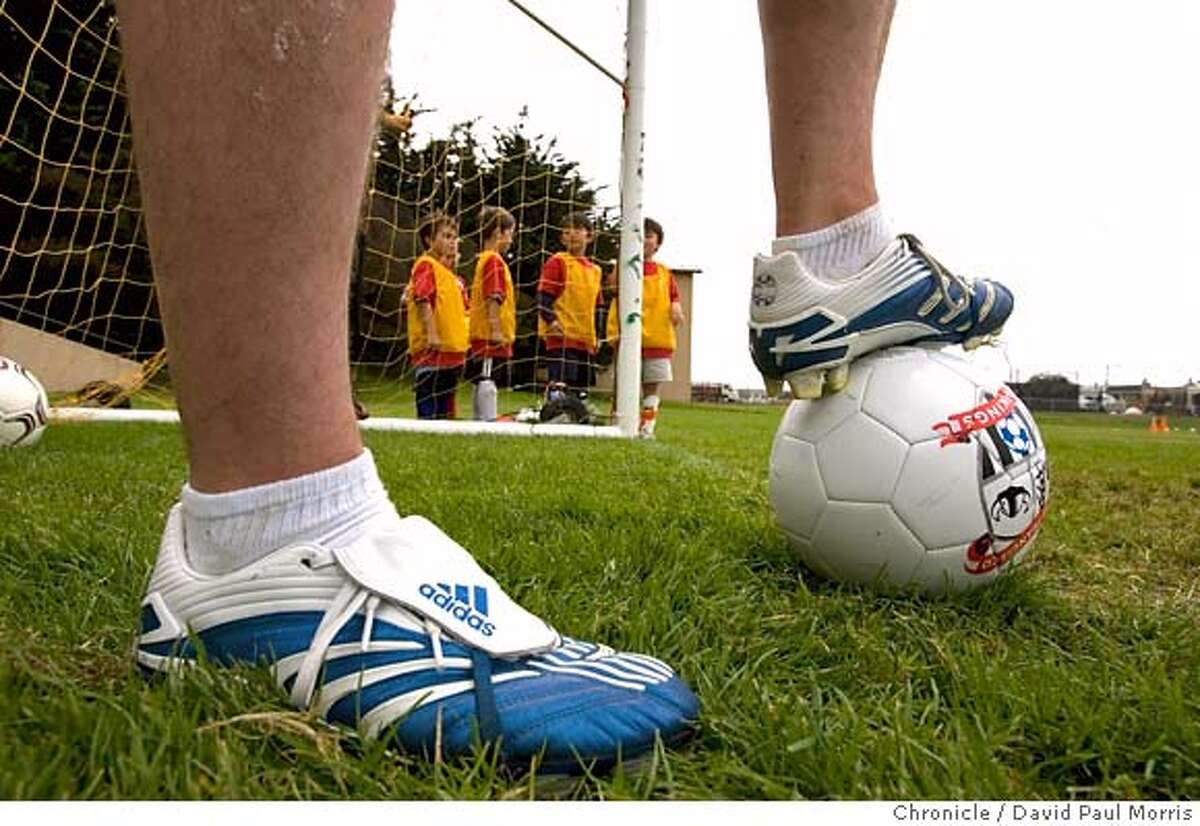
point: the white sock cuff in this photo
(870, 222)
(650, 403)
(350, 484)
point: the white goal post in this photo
(633, 152)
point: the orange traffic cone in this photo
(1158, 424)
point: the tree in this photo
(1048, 391)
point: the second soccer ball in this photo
(23, 406)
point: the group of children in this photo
(444, 325)
(452, 335)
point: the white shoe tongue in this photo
(418, 566)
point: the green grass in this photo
(1079, 676)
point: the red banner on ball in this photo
(959, 426)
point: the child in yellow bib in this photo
(661, 314)
(493, 313)
(436, 303)
(569, 295)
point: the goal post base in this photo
(100, 414)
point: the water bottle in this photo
(483, 403)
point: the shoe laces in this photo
(945, 278)
(346, 604)
(435, 642)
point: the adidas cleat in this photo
(403, 635)
(807, 330)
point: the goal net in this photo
(77, 300)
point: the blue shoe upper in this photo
(817, 339)
(563, 718)
(576, 703)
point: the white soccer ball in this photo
(924, 473)
(23, 406)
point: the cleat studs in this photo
(807, 385)
(837, 378)
(974, 343)
(774, 387)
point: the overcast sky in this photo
(1049, 145)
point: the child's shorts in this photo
(656, 371)
(570, 366)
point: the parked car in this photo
(1103, 402)
(714, 392)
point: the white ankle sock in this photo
(225, 531)
(840, 250)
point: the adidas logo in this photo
(466, 604)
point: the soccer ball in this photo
(23, 406)
(923, 474)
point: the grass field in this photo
(1079, 676)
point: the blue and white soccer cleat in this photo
(402, 634)
(807, 330)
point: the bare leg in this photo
(251, 126)
(823, 59)
(252, 120)
(822, 62)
